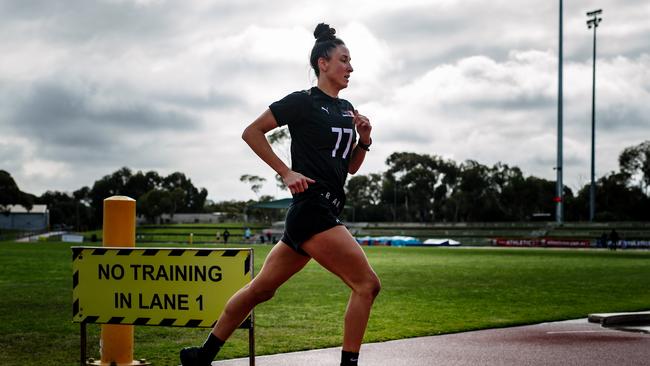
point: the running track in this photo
(566, 343)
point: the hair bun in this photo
(323, 32)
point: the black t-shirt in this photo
(322, 136)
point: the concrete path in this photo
(573, 342)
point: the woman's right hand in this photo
(296, 182)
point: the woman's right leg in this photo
(281, 263)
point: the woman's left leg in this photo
(281, 263)
(337, 251)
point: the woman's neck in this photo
(327, 88)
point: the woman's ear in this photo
(322, 64)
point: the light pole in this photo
(395, 201)
(593, 23)
(559, 184)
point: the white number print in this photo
(340, 131)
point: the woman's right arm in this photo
(254, 135)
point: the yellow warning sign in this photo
(156, 286)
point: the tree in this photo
(193, 199)
(140, 183)
(412, 176)
(445, 208)
(416, 181)
(615, 200)
(66, 210)
(364, 190)
(10, 194)
(535, 195)
(255, 182)
(82, 195)
(154, 203)
(364, 194)
(109, 185)
(184, 197)
(473, 195)
(634, 163)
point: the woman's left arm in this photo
(362, 123)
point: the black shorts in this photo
(307, 218)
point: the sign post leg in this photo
(251, 341)
(82, 335)
(251, 331)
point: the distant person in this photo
(613, 239)
(324, 150)
(226, 235)
(247, 234)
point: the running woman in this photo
(324, 149)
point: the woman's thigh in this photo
(337, 251)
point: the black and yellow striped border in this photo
(78, 252)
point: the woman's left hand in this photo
(362, 123)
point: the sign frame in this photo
(157, 276)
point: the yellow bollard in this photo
(119, 231)
(191, 238)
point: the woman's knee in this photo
(369, 288)
(376, 286)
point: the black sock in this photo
(211, 347)
(349, 358)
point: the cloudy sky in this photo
(87, 87)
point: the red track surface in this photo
(574, 342)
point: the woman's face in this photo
(338, 68)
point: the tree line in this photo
(83, 208)
(428, 188)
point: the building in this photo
(17, 217)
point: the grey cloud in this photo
(619, 117)
(213, 100)
(11, 156)
(519, 102)
(464, 30)
(414, 23)
(86, 21)
(59, 116)
(406, 135)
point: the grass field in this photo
(426, 291)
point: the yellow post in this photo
(119, 231)
(191, 238)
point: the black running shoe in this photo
(193, 356)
